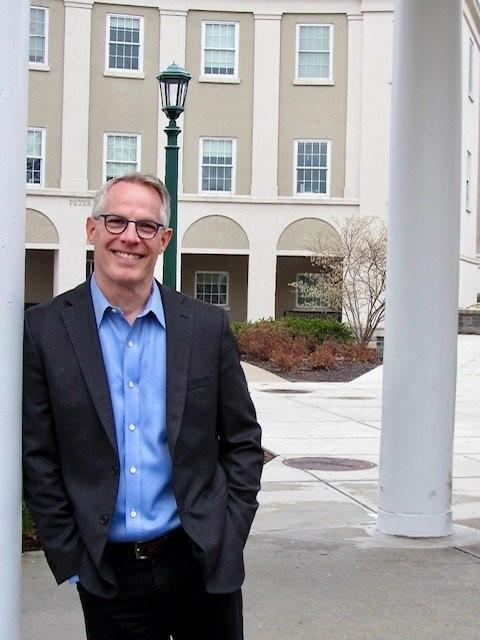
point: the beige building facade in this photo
(285, 133)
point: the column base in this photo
(415, 525)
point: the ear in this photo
(90, 228)
(166, 237)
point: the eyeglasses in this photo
(146, 229)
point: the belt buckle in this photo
(138, 552)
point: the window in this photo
(314, 53)
(308, 292)
(312, 167)
(470, 68)
(217, 165)
(220, 51)
(121, 154)
(89, 264)
(36, 157)
(468, 181)
(211, 286)
(38, 41)
(124, 52)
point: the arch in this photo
(215, 232)
(40, 229)
(299, 235)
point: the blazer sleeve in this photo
(43, 485)
(241, 454)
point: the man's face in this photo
(125, 260)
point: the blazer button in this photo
(104, 518)
(114, 470)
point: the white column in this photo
(173, 34)
(354, 107)
(76, 91)
(13, 127)
(422, 292)
(262, 266)
(266, 71)
(70, 259)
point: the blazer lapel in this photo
(79, 320)
(179, 343)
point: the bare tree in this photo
(350, 273)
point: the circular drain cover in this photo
(286, 390)
(329, 464)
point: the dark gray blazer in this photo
(70, 458)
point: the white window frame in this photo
(41, 66)
(31, 185)
(214, 77)
(138, 136)
(314, 81)
(299, 194)
(306, 307)
(225, 306)
(124, 73)
(234, 166)
(468, 183)
(471, 53)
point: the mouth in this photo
(127, 255)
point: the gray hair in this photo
(136, 177)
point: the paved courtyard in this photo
(316, 566)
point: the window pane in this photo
(212, 287)
(219, 49)
(124, 45)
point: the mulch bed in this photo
(344, 372)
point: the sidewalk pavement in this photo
(316, 566)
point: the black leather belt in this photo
(144, 550)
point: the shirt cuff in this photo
(73, 579)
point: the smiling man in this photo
(142, 454)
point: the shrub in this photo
(258, 341)
(291, 353)
(323, 357)
(319, 329)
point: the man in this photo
(142, 453)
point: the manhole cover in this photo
(329, 464)
(286, 391)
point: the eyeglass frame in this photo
(158, 225)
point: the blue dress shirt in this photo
(135, 363)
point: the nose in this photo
(130, 232)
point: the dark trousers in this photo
(162, 598)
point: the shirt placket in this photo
(131, 377)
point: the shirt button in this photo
(131, 384)
(114, 310)
(132, 427)
(133, 469)
(130, 344)
(133, 513)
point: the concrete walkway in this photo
(316, 567)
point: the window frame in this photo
(40, 66)
(41, 184)
(124, 73)
(304, 307)
(214, 77)
(225, 306)
(106, 134)
(234, 166)
(299, 194)
(313, 81)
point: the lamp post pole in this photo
(171, 182)
(173, 91)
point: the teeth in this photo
(129, 256)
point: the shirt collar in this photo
(101, 304)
